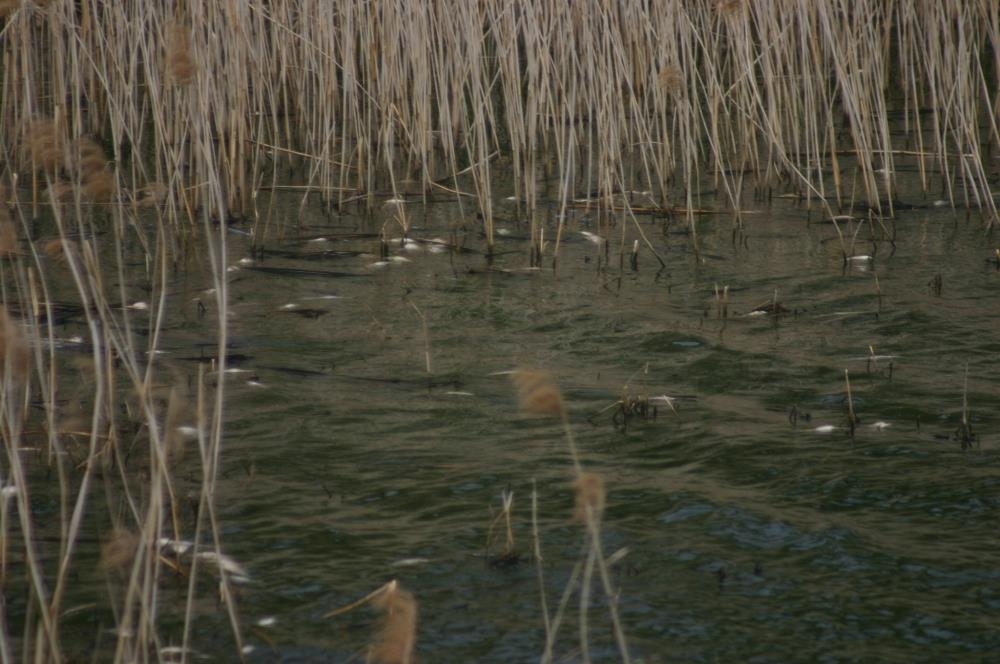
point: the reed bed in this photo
(585, 100)
(142, 129)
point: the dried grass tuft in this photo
(398, 631)
(537, 392)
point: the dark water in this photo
(749, 539)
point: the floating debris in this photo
(769, 309)
(410, 562)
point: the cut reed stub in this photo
(397, 634)
(537, 393)
(589, 497)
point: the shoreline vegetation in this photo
(136, 133)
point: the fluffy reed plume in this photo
(119, 550)
(44, 146)
(180, 63)
(8, 6)
(152, 195)
(96, 181)
(56, 248)
(671, 79)
(589, 497)
(729, 7)
(14, 353)
(537, 392)
(398, 629)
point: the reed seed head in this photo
(730, 7)
(589, 496)
(671, 79)
(398, 626)
(44, 146)
(180, 63)
(119, 550)
(152, 195)
(537, 392)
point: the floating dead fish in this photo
(880, 425)
(410, 562)
(139, 306)
(861, 258)
(825, 428)
(769, 309)
(454, 393)
(246, 261)
(226, 564)
(593, 237)
(173, 547)
(305, 312)
(267, 621)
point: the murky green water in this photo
(749, 538)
